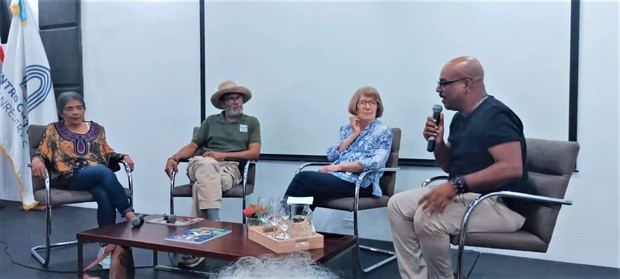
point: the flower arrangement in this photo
(254, 211)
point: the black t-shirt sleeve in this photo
(503, 127)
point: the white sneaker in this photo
(105, 263)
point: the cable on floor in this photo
(6, 252)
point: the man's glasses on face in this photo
(362, 103)
(445, 83)
(231, 98)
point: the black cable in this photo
(6, 252)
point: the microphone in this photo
(138, 221)
(170, 219)
(430, 147)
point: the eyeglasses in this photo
(230, 98)
(362, 103)
(446, 83)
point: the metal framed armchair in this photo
(49, 196)
(241, 190)
(550, 165)
(357, 203)
(246, 187)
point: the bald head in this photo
(461, 84)
(466, 66)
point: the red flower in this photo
(249, 211)
(255, 210)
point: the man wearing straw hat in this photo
(224, 136)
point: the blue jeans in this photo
(101, 182)
(322, 185)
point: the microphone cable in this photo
(12, 261)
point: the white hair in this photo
(295, 265)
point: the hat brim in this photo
(216, 98)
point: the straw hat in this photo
(228, 87)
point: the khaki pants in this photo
(209, 179)
(422, 241)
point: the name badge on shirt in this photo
(243, 128)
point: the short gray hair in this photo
(65, 97)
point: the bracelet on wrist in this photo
(460, 185)
(173, 159)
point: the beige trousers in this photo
(209, 179)
(422, 241)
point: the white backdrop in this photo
(142, 82)
(304, 60)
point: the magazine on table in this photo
(180, 220)
(198, 235)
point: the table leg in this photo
(356, 261)
(80, 259)
(155, 258)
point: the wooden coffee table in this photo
(229, 247)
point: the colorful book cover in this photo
(198, 235)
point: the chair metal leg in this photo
(392, 254)
(459, 272)
(34, 251)
(46, 247)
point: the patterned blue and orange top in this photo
(65, 152)
(371, 149)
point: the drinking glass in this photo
(268, 205)
(283, 219)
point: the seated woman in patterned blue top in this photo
(364, 144)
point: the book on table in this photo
(198, 235)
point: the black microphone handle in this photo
(430, 147)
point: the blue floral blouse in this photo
(371, 149)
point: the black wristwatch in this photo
(459, 184)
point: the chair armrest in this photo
(129, 173)
(504, 194)
(48, 188)
(246, 169)
(360, 179)
(245, 173)
(433, 179)
(523, 196)
(383, 170)
(507, 194)
(300, 168)
(174, 174)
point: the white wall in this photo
(289, 57)
(141, 74)
(587, 232)
(141, 81)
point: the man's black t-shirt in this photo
(471, 136)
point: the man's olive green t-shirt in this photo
(215, 134)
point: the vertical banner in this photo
(26, 96)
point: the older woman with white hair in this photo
(363, 144)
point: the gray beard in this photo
(232, 113)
